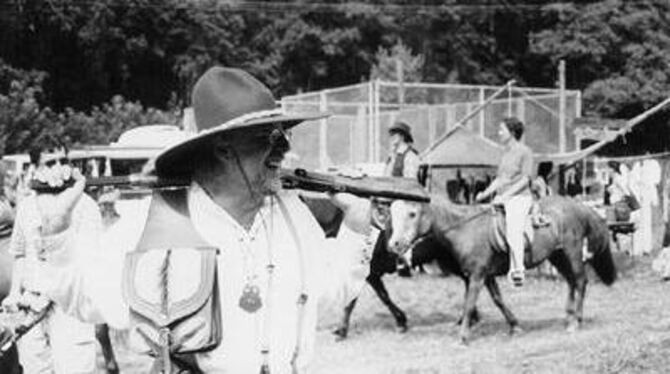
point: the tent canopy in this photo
(461, 147)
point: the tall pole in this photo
(482, 115)
(371, 121)
(323, 131)
(400, 76)
(377, 154)
(561, 107)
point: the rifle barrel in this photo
(387, 187)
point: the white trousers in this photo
(59, 344)
(516, 218)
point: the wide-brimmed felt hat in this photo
(403, 128)
(225, 100)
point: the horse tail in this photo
(599, 246)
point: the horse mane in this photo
(441, 206)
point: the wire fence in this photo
(356, 131)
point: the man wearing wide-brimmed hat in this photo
(216, 278)
(403, 160)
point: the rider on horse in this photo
(511, 188)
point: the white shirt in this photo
(410, 164)
(94, 292)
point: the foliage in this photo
(80, 54)
(617, 51)
(387, 63)
(24, 121)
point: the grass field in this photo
(626, 329)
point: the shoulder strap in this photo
(302, 298)
(169, 223)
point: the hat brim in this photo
(177, 160)
(396, 130)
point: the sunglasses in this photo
(61, 161)
(274, 137)
(278, 135)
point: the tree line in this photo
(89, 69)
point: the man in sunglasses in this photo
(222, 276)
(59, 343)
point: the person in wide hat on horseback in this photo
(511, 187)
(216, 277)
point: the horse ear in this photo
(425, 219)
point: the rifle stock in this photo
(385, 187)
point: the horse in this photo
(575, 235)
(381, 261)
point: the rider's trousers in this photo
(516, 216)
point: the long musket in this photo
(365, 186)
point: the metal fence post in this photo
(376, 130)
(371, 120)
(482, 116)
(323, 131)
(561, 107)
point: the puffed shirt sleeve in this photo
(86, 265)
(17, 243)
(314, 247)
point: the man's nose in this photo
(281, 143)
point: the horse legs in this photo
(496, 296)
(474, 314)
(581, 281)
(472, 293)
(375, 280)
(102, 335)
(561, 261)
(342, 331)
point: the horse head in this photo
(409, 222)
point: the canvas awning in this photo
(461, 147)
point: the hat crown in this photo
(402, 127)
(223, 94)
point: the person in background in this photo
(404, 159)
(59, 343)
(617, 192)
(511, 187)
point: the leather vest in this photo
(399, 163)
(170, 284)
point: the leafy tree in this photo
(386, 68)
(617, 51)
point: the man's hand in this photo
(480, 197)
(12, 302)
(498, 200)
(356, 211)
(56, 209)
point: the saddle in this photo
(536, 220)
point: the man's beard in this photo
(270, 183)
